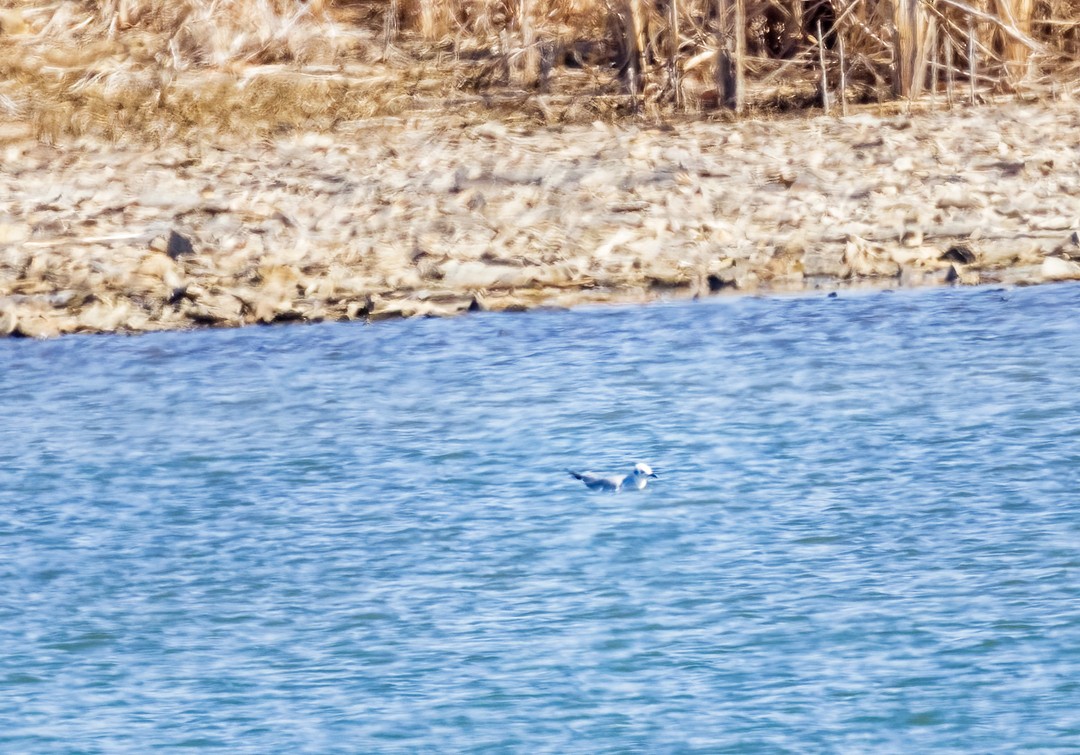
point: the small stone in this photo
(821, 263)
(265, 309)
(162, 268)
(1069, 248)
(958, 253)
(1058, 269)
(919, 255)
(911, 237)
(491, 130)
(178, 245)
(960, 198)
(357, 308)
(740, 277)
(279, 278)
(13, 233)
(1053, 223)
(104, 317)
(717, 282)
(471, 276)
(215, 308)
(958, 276)
(449, 307)
(8, 322)
(37, 326)
(383, 309)
(863, 259)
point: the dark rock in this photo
(718, 282)
(1071, 247)
(958, 276)
(178, 245)
(958, 253)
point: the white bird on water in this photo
(637, 479)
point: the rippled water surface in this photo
(865, 538)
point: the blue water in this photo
(352, 538)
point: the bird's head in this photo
(644, 470)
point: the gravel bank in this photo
(439, 216)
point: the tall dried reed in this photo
(111, 65)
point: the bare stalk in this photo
(547, 64)
(843, 77)
(740, 55)
(971, 61)
(637, 15)
(725, 67)
(932, 40)
(1007, 29)
(530, 53)
(793, 29)
(949, 71)
(632, 27)
(905, 20)
(824, 77)
(390, 25)
(431, 19)
(1019, 14)
(673, 57)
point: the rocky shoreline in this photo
(437, 216)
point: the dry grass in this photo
(162, 68)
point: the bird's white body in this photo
(637, 479)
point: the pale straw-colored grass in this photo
(161, 67)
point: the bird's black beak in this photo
(655, 475)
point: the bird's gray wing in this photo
(595, 482)
(604, 483)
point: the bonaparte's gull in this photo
(637, 479)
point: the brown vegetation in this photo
(156, 68)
